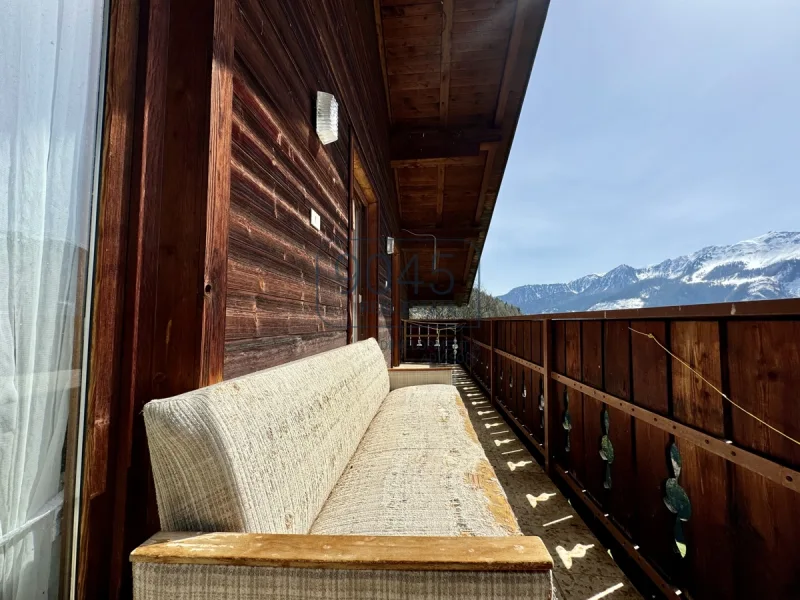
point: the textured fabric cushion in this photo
(407, 377)
(419, 470)
(261, 453)
(216, 582)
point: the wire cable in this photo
(712, 386)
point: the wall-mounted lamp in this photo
(389, 245)
(327, 118)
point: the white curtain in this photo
(50, 54)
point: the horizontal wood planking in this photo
(251, 355)
(287, 297)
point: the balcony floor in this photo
(584, 569)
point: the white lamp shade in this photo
(327, 118)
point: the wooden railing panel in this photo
(558, 437)
(617, 379)
(592, 374)
(576, 455)
(764, 367)
(654, 525)
(536, 342)
(703, 475)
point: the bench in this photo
(331, 477)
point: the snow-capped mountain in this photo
(763, 268)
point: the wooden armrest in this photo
(399, 378)
(387, 553)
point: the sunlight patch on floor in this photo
(567, 556)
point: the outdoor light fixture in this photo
(327, 118)
(389, 245)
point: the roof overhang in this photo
(455, 72)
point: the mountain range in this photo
(763, 268)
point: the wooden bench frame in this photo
(394, 553)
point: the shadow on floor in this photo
(584, 569)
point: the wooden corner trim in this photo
(352, 552)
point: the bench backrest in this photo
(261, 453)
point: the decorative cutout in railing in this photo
(677, 500)
(541, 404)
(606, 447)
(567, 422)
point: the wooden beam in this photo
(397, 338)
(491, 153)
(363, 179)
(447, 38)
(470, 256)
(441, 142)
(178, 254)
(386, 553)
(520, 361)
(397, 192)
(376, 5)
(521, 13)
(460, 161)
(106, 402)
(440, 196)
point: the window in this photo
(51, 65)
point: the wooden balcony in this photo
(673, 432)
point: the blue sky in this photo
(651, 128)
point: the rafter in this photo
(439, 196)
(458, 161)
(447, 38)
(523, 9)
(491, 153)
(439, 142)
(382, 53)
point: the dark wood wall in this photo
(206, 263)
(287, 282)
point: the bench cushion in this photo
(261, 453)
(419, 470)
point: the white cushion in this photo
(419, 470)
(261, 453)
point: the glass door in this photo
(51, 69)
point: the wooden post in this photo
(398, 340)
(549, 391)
(468, 329)
(492, 389)
(177, 256)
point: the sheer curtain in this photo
(50, 54)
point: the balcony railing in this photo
(677, 428)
